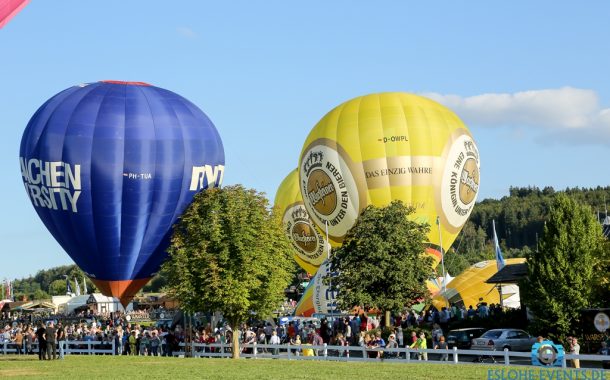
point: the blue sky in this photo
(530, 79)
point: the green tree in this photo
(40, 295)
(58, 287)
(229, 254)
(561, 273)
(381, 262)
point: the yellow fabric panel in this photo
(470, 285)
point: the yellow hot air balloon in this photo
(390, 146)
(469, 287)
(310, 248)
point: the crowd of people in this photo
(357, 333)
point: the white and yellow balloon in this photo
(382, 147)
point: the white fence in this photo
(323, 352)
(65, 347)
(356, 353)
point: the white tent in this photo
(74, 303)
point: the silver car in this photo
(499, 339)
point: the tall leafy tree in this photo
(381, 263)
(228, 253)
(562, 272)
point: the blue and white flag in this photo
(499, 258)
(77, 287)
(68, 287)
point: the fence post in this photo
(254, 350)
(325, 350)
(564, 364)
(506, 357)
(364, 355)
(113, 347)
(61, 349)
(455, 355)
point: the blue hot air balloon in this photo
(109, 167)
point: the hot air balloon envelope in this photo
(390, 146)
(469, 287)
(109, 167)
(310, 247)
(9, 8)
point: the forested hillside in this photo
(50, 282)
(519, 220)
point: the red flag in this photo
(9, 8)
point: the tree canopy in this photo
(381, 263)
(228, 253)
(562, 271)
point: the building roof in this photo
(100, 298)
(510, 274)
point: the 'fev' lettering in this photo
(213, 174)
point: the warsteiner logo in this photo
(320, 188)
(460, 182)
(469, 181)
(321, 192)
(305, 238)
(303, 233)
(329, 191)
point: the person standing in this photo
(155, 342)
(348, 331)
(42, 343)
(275, 340)
(442, 345)
(50, 337)
(132, 343)
(29, 337)
(18, 340)
(61, 339)
(575, 350)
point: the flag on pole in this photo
(85, 286)
(499, 259)
(77, 287)
(68, 287)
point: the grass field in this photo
(122, 367)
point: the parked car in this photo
(462, 338)
(499, 339)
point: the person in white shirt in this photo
(275, 340)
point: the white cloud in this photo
(186, 32)
(564, 112)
